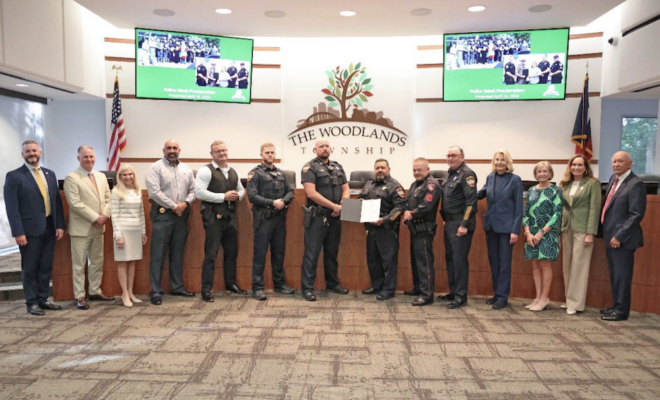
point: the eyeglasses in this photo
(453, 155)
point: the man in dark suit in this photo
(36, 217)
(621, 216)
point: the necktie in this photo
(609, 197)
(42, 189)
(91, 178)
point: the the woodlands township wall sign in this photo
(350, 127)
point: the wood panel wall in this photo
(353, 267)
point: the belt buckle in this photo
(218, 216)
(162, 210)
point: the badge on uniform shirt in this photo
(306, 167)
(162, 210)
(429, 197)
(250, 175)
(384, 188)
(430, 187)
(471, 181)
(401, 192)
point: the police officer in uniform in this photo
(325, 186)
(420, 216)
(202, 72)
(459, 207)
(383, 234)
(544, 66)
(270, 194)
(219, 188)
(232, 71)
(556, 71)
(243, 76)
(510, 72)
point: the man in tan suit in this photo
(88, 195)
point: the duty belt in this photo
(452, 217)
(161, 209)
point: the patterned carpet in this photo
(341, 347)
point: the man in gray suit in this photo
(621, 216)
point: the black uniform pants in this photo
(382, 258)
(321, 235)
(168, 235)
(422, 261)
(219, 232)
(37, 264)
(271, 231)
(457, 249)
(621, 262)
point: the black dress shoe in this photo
(259, 295)
(81, 303)
(309, 295)
(35, 310)
(285, 289)
(447, 297)
(234, 288)
(456, 303)
(383, 297)
(412, 292)
(208, 296)
(156, 301)
(339, 290)
(491, 301)
(370, 291)
(613, 316)
(500, 305)
(101, 297)
(183, 292)
(49, 306)
(606, 311)
(421, 301)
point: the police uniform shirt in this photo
(201, 70)
(243, 73)
(424, 198)
(328, 179)
(265, 185)
(509, 68)
(460, 195)
(391, 194)
(557, 66)
(232, 71)
(543, 65)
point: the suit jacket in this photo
(505, 205)
(584, 214)
(85, 204)
(625, 212)
(25, 205)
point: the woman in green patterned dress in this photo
(542, 223)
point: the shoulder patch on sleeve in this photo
(250, 175)
(307, 167)
(430, 187)
(470, 180)
(429, 197)
(401, 192)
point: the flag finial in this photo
(118, 68)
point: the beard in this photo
(32, 159)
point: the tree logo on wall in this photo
(346, 93)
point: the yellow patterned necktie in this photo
(42, 188)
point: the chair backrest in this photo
(112, 178)
(362, 176)
(439, 174)
(291, 177)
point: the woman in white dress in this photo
(223, 78)
(129, 230)
(534, 73)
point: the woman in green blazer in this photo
(581, 203)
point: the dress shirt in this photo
(43, 176)
(202, 183)
(168, 184)
(621, 179)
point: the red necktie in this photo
(609, 197)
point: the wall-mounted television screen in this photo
(505, 65)
(190, 66)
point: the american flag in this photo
(118, 137)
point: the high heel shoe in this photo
(540, 306)
(135, 299)
(532, 304)
(127, 302)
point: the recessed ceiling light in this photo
(21, 85)
(420, 12)
(540, 8)
(347, 13)
(223, 11)
(275, 14)
(163, 12)
(476, 8)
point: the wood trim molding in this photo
(266, 100)
(582, 56)
(197, 160)
(440, 100)
(430, 47)
(266, 66)
(526, 162)
(438, 65)
(262, 48)
(585, 35)
(132, 97)
(578, 95)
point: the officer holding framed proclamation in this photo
(219, 188)
(270, 194)
(326, 186)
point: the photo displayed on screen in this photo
(515, 65)
(188, 66)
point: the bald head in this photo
(322, 150)
(171, 151)
(421, 168)
(621, 162)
